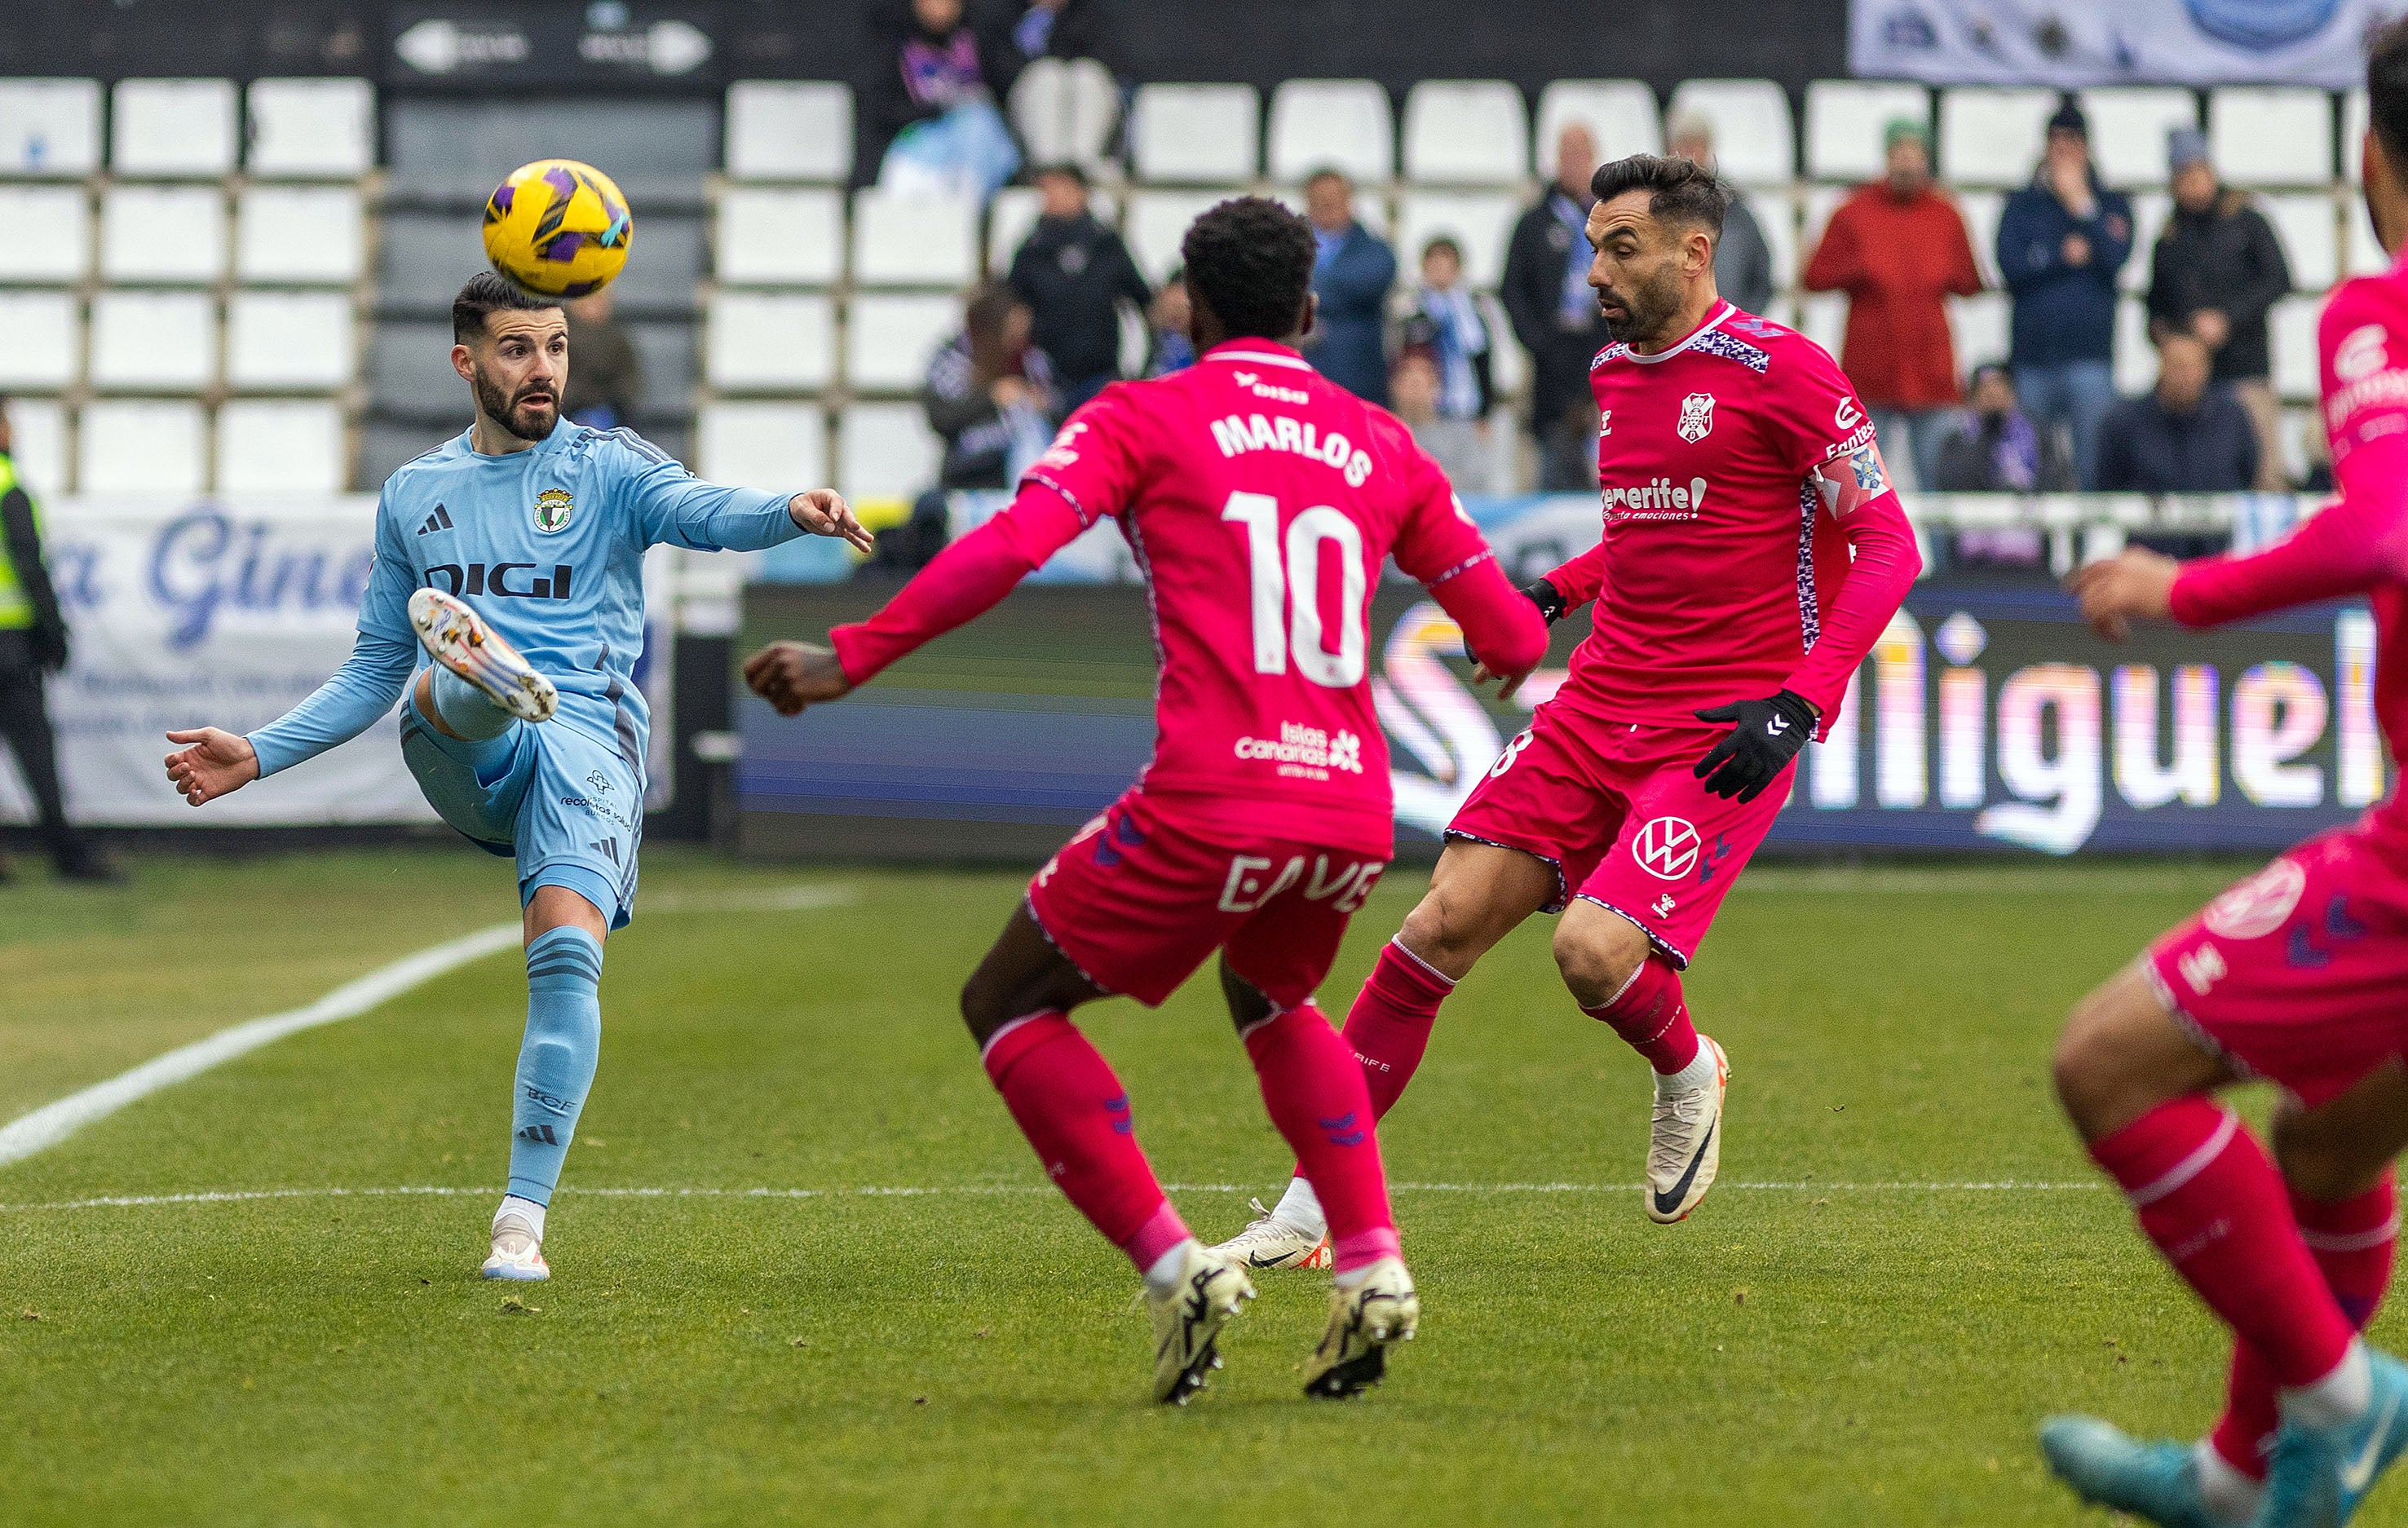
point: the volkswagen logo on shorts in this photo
(1666, 848)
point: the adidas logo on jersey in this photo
(440, 521)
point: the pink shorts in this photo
(1137, 902)
(1613, 805)
(2300, 974)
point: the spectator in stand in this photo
(1064, 29)
(1458, 445)
(2190, 436)
(1351, 276)
(1554, 314)
(1172, 350)
(931, 121)
(988, 396)
(1997, 449)
(2216, 270)
(1447, 317)
(2061, 240)
(606, 386)
(1743, 260)
(1898, 248)
(1073, 272)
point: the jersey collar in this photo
(1256, 353)
(1722, 310)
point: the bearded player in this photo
(1261, 501)
(1752, 552)
(507, 599)
(2295, 975)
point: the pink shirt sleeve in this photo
(963, 582)
(1579, 579)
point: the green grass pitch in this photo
(1840, 1337)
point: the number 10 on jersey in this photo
(1288, 589)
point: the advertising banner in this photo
(2182, 42)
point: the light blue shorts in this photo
(568, 808)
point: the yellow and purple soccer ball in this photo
(557, 228)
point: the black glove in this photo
(50, 646)
(1768, 734)
(1547, 597)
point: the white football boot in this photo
(518, 1255)
(1188, 1320)
(1363, 1320)
(1685, 1144)
(462, 643)
(1270, 1242)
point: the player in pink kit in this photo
(1261, 501)
(1753, 553)
(2296, 975)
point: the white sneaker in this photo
(1362, 1320)
(462, 643)
(1188, 1320)
(1270, 1242)
(1685, 1144)
(517, 1256)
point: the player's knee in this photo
(981, 1007)
(1440, 931)
(1598, 956)
(2081, 1066)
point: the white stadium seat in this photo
(162, 234)
(50, 126)
(770, 341)
(45, 346)
(311, 128)
(2270, 136)
(1065, 110)
(2150, 209)
(1157, 221)
(47, 234)
(1341, 124)
(1823, 317)
(2136, 359)
(311, 236)
(885, 450)
(767, 446)
(1977, 326)
(1845, 119)
(2291, 328)
(1192, 135)
(1754, 140)
(173, 127)
(290, 339)
(1465, 133)
(163, 340)
(789, 130)
(1621, 114)
(2129, 124)
(2366, 256)
(140, 446)
(1480, 222)
(777, 235)
(38, 428)
(2353, 135)
(1011, 216)
(1776, 214)
(2308, 225)
(1980, 210)
(280, 446)
(908, 239)
(889, 340)
(1992, 136)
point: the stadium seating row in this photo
(287, 129)
(178, 446)
(178, 341)
(182, 233)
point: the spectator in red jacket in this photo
(1898, 249)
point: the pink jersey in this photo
(1737, 468)
(1261, 501)
(2358, 546)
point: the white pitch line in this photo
(54, 1121)
(232, 1196)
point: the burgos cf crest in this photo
(1697, 417)
(553, 508)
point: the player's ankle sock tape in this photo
(525, 1209)
(1313, 1086)
(2204, 1191)
(465, 708)
(556, 1059)
(1652, 1016)
(1301, 1208)
(1063, 1095)
(2231, 1491)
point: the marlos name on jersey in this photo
(1240, 434)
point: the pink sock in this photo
(1650, 1013)
(2352, 1241)
(1066, 1100)
(2205, 1194)
(1314, 1092)
(1389, 1025)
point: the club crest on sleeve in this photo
(1866, 465)
(553, 508)
(1697, 417)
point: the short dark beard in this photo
(502, 412)
(1649, 311)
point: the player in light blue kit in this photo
(507, 597)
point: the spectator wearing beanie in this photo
(2061, 240)
(2216, 270)
(1898, 248)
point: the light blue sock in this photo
(563, 1039)
(468, 711)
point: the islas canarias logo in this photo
(553, 508)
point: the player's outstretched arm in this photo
(214, 763)
(673, 505)
(821, 511)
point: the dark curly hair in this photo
(1682, 191)
(1250, 260)
(2387, 90)
(487, 294)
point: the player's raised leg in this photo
(469, 649)
(1076, 1115)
